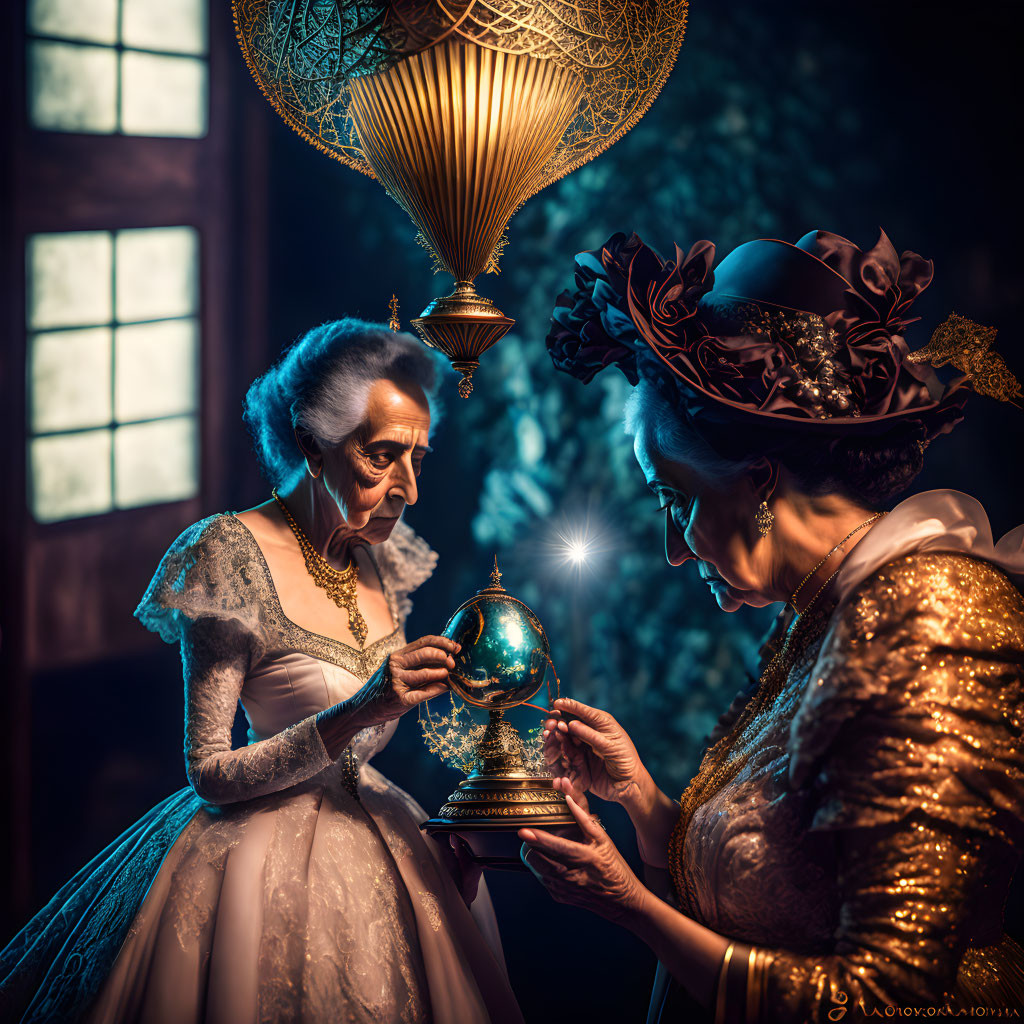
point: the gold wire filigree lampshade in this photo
(462, 112)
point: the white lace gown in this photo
(280, 885)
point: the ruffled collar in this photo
(941, 520)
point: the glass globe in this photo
(505, 651)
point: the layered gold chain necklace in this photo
(716, 768)
(340, 584)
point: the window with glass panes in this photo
(113, 352)
(112, 316)
(133, 275)
(131, 66)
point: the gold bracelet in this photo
(753, 995)
(722, 990)
(757, 979)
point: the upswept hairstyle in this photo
(321, 384)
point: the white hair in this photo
(322, 383)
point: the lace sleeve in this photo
(204, 596)
(910, 738)
(215, 657)
(208, 571)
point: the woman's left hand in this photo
(591, 874)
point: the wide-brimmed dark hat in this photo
(796, 337)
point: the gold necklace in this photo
(716, 769)
(856, 529)
(340, 584)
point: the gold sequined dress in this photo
(862, 857)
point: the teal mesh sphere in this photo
(504, 654)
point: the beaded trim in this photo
(817, 381)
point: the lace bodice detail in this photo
(866, 848)
(214, 596)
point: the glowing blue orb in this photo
(504, 654)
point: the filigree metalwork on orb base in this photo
(506, 796)
(501, 750)
(481, 800)
(462, 111)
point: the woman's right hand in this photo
(587, 750)
(410, 676)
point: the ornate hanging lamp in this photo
(462, 111)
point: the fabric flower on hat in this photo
(591, 327)
(805, 334)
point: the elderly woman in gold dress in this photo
(849, 840)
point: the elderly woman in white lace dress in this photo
(289, 881)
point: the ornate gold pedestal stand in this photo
(498, 798)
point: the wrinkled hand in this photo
(586, 749)
(591, 874)
(411, 675)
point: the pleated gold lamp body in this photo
(462, 112)
(460, 135)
